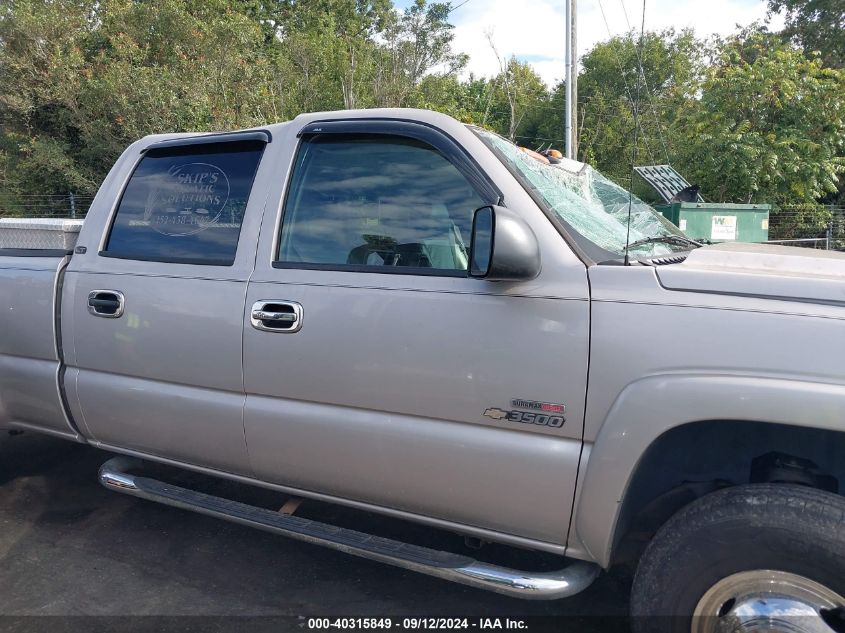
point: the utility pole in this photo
(571, 116)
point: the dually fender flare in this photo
(649, 407)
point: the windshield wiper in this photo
(665, 239)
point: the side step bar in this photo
(114, 475)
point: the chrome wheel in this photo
(765, 600)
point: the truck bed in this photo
(30, 391)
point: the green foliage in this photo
(769, 125)
(40, 78)
(505, 102)
(750, 118)
(673, 64)
(817, 25)
(80, 80)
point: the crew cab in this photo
(394, 311)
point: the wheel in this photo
(759, 557)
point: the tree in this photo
(817, 25)
(672, 64)
(769, 125)
(41, 65)
(330, 54)
(445, 93)
(750, 118)
(80, 80)
(416, 43)
(516, 90)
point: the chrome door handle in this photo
(284, 317)
(270, 315)
(108, 304)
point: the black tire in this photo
(780, 527)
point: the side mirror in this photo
(503, 246)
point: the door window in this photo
(385, 204)
(186, 204)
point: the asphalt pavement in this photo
(72, 549)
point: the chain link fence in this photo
(821, 227)
(71, 205)
(808, 227)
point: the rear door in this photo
(378, 372)
(153, 308)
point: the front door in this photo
(378, 372)
(153, 309)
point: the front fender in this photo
(649, 407)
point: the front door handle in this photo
(271, 315)
(106, 303)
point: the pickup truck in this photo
(398, 312)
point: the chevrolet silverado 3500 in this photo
(398, 312)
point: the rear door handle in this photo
(271, 315)
(106, 303)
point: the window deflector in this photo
(262, 136)
(438, 139)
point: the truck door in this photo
(152, 310)
(378, 372)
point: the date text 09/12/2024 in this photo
(416, 624)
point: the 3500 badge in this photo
(543, 414)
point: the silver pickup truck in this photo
(394, 311)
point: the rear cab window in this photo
(185, 203)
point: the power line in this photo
(457, 6)
(645, 83)
(634, 150)
(619, 65)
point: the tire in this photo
(794, 530)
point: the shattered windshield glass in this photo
(590, 203)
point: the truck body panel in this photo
(410, 365)
(30, 391)
(372, 392)
(179, 338)
(730, 357)
(421, 392)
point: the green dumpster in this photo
(719, 222)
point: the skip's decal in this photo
(541, 414)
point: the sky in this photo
(534, 30)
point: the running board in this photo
(114, 475)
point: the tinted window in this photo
(186, 204)
(377, 202)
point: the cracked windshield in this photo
(591, 204)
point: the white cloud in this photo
(534, 30)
